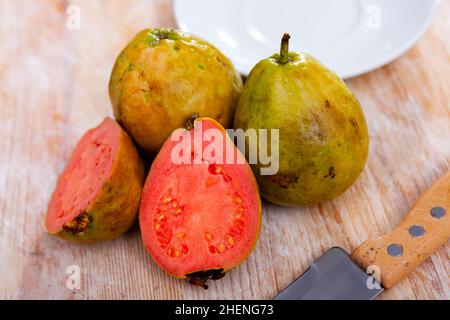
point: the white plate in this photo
(349, 36)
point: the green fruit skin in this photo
(323, 133)
(163, 77)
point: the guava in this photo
(323, 136)
(162, 77)
(201, 217)
(97, 195)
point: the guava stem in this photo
(190, 121)
(284, 50)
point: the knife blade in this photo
(333, 276)
(379, 264)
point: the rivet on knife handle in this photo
(424, 229)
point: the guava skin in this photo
(164, 76)
(323, 132)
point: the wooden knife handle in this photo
(424, 229)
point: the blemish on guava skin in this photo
(146, 97)
(353, 122)
(78, 225)
(331, 173)
(107, 187)
(142, 66)
(90, 225)
(317, 130)
(327, 104)
(200, 66)
(284, 180)
(223, 63)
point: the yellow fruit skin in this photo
(323, 133)
(115, 207)
(158, 82)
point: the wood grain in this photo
(53, 86)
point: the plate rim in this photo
(365, 68)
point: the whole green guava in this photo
(323, 136)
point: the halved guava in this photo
(98, 193)
(199, 220)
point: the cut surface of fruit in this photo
(197, 218)
(97, 195)
(83, 177)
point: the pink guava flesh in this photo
(89, 167)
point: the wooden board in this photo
(53, 86)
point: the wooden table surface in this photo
(53, 86)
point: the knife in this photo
(379, 264)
